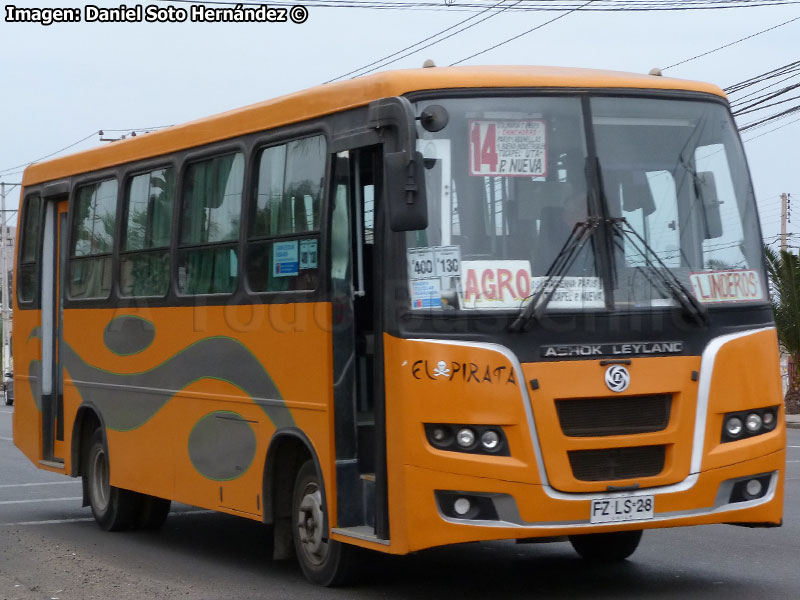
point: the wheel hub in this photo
(309, 524)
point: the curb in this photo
(790, 425)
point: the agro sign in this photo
(490, 284)
(508, 148)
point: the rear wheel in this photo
(9, 399)
(113, 508)
(606, 547)
(324, 561)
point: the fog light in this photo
(753, 488)
(733, 427)
(465, 437)
(440, 435)
(769, 419)
(462, 506)
(490, 440)
(753, 422)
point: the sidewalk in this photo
(793, 421)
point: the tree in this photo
(784, 275)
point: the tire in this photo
(324, 562)
(9, 401)
(615, 546)
(113, 508)
(152, 513)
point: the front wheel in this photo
(606, 547)
(324, 561)
(153, 512)
(113, 508)
(9, 399)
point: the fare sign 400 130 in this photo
(508, 148)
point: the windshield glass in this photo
(507, 183)
(675, 171)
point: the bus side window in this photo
(287, 207)
(208, 261)
(28, 284)
(93, 240)
(147, 218)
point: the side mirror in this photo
(405, 191)
(706, 192)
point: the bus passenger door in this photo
(52, 382)
(358, 407)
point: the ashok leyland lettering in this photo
(408, 310)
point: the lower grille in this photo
(597, 417)
(617, 463)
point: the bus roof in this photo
(335, 97)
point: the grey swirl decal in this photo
(222, 446)
(126, 335)
(140, 395)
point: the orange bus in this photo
(408, 310)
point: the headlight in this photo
(733, 427)
(465, 437)
(490, 440)
(753, 422)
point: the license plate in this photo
(622, 508)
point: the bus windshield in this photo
(509, 179)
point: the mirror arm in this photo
(396, 112)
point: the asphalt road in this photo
(50, 548)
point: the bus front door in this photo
(358, 386)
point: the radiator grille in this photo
(597, 417)
(617, 463)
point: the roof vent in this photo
(428, 63)
(655, 71)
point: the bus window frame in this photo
(247, 144)
(321, 234)
(76, 184)
(122, 225)
(194, 156)
(35, 303)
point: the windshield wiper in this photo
(580, 234)
(674, 286)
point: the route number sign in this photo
(508, 148)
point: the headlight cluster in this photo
(472, 439)
(744, 424)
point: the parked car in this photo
(8, 389)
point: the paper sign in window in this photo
(508, 148)
(717, 287)
(284, 259)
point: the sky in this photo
(59, 83)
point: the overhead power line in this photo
(8, 171)
(524, 33)
(23, 165)
(418, 47)
(783, 70)
(525, 5)
(731, 43)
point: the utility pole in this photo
(3, 277)
(6, 309)
(784, 216)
